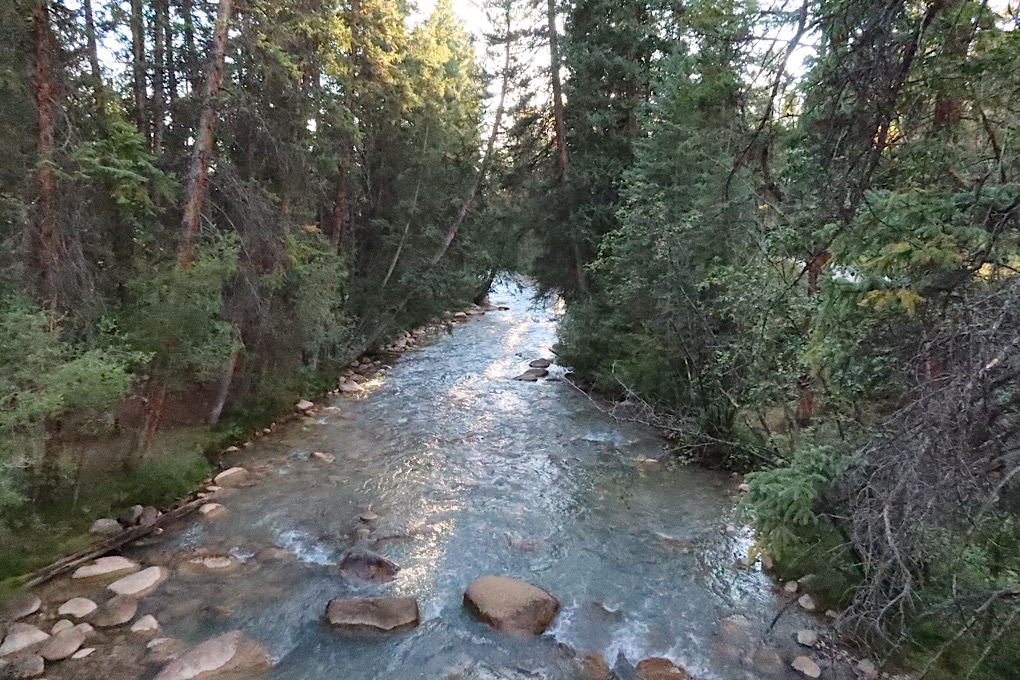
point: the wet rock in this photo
(22, 666)
(232, 478)
(218, 564)
(768, 660)
(61, 625)
(21, 636)
(82, 653)
(806, 666)
(21, 606)
(660, 669)
(106, 526)
(623, 670)
(532, 374)
(162, 650)
(114, 565)
(351, 388)
(807, 602)
(78, 607)
(540, 363)
(62, 645)
(511, 606)
(324, 456)
(593, 667)
(673, 544)
(388, 614)
(808, 638)
(368, 565)
(212, 511)
(140, 583)
(273, 554)
(231, 654)
(145, 625)
(304, 405)
(115, 612)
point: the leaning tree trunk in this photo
(451, 232)
(44, 244)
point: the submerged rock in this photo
(511, 606)
(21, 636)
(21, 606)
(231, 654)
(115, 612)
(368, 565)
(115, 565)
(660, 669)
(388, 614)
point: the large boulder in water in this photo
(661, 669)
(368, 565)
(232, 654)
(511, 606)
(388, 614)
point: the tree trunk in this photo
(201, 155)
(189, 45)
(153, 417)
(171, 66)
(554, 76)
(138, 68)
(44, 249)
(959, 35)
(228, 377)
(807, 390)
(451, 232)
(90, 43)
(338, 216)
(159, 22)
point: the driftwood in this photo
(95, 550)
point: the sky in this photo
(470, 11)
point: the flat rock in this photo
(82, 653)
(140, 583)
(230, 654)
(768, 660)
(532, 374)
(211, 564)
(146, 624)
(511, 606)
(806, 666)
(387, 614)
(304, 405)
(808, 638)
(106, 526)
(115, 565)
(22, 666)
(368, 565)
(115, 612)
(78, 607)
(540, 363)
(212, 511)
(62, 645)
(660, 669)
(273, 554)
(163, 650)
(232, 478)
(21, 636)
(87, 628)
(21, 606)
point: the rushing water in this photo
(471, 473)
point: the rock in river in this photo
(511, 606)
(388, 614)
(21, 606)
(63, 644)
(532, 374)
(78, 607)
(139, 584)
(21, 636)
(115, 612)
(22, 666)
(368, 565)
(661, 669)
(540, 363)
(232, 654)
(114, 565)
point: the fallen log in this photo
(95, 550)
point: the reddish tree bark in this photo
(44, 246)
(201, 155)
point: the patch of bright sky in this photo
(470, 12)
